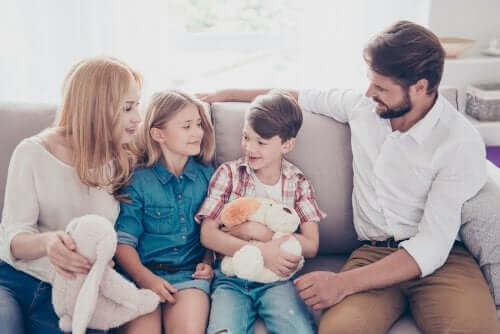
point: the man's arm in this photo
(462, 175)
(322, 289)
(238, 95)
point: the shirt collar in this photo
(164, 175)
(423, 128)
(287, 168)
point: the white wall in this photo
(474, 19)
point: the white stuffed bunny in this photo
(247, 262)
(102, 299)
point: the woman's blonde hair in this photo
(93, 94)
(162, 107)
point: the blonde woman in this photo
(68, 170)
(159, 244)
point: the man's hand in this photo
(276, 259)
(209, 97)
(322, 289)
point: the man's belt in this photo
(389, 243)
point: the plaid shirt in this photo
(232, 180)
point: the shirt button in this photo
(175, 249)
(179, 196)
(183, 237)
(181, 177)
(158, 213)
(183, 218)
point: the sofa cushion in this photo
(481, 231)
(325, 159)
(19, 121)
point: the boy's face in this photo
(263, 154)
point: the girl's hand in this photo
(203, 271)
(159, 286)
(276, 259)
(60, 249)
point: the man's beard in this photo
(397, 111)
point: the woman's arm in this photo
(58, 246)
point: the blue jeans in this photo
(236, 303)
(26, 304)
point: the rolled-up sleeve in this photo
(306, 206)
(219, 190)
(21, 209)
(463, 176)
(338, 104)
(129, 225)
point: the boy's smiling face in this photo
(263, 155)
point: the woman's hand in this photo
(60, 249)
(203, 271)
(159, 286)
(276, 259)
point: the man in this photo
(416, 161)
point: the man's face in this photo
(392, 100)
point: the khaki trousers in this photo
(454, 299)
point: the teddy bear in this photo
(248, 262)
(101, 299)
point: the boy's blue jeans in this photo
(237, 302)
(26, 304)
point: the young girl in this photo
(67, 171)
(159, 241)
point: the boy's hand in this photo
(161, 287)
(250, 230)
(277, 260)
(203, 271)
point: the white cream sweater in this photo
(43, 194)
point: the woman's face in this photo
(130, 116)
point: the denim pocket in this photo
(159, 220)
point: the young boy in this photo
(271, 125)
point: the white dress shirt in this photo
(408, 185)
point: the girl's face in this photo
(130, 117)
(182, 135)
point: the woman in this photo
(66, 171)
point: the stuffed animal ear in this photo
(237, 211)
(87, 297)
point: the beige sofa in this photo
(323, 152)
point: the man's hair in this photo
(275, 113)
(407, 52)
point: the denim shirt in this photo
(159, 221)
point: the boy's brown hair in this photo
(276, 113)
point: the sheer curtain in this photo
(322, 48)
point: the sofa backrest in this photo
(19, 121)
(323, 153)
